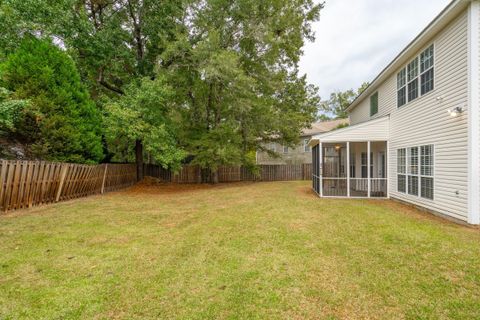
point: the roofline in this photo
(317, 138)
(424, 33)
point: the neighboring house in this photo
(415, 131)
(301, 153)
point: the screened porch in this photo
(350, 169)
(353, 161)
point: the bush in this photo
(60, 121)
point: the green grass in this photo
(241, 251)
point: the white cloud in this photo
(356, 39)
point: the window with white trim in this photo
(364, 162)
(285, 149)
(402, 87)
(412, 77)
(426, 172)
(415, 171)
(417, 78)
(412, 171)
(426, 70)
(401, 170)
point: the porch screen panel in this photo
(316, 169)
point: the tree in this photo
(60, 121)
(339, 101)
(235, 71)
(145, 114)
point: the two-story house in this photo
(415, 131)
(302, 153)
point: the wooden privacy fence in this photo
(24, 184)
(193, 174)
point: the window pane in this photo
(426, 59)
(374, 104)
(285, 149)
(427, 188)
(426, 160)
(412, 90)
(401, 183)
(401, 161)
(412, 70)
(427, 81)
(401, 78)
(413, 185)
(401, 97)
(413, 160)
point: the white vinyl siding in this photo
(425, 121)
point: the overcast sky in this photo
(356, 39)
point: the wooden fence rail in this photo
(193, 174)
(24, 184)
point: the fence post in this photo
(3, 177)
(63, 173)
(104, 178)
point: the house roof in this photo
(323, 126)
(445, 17)
(373, 130)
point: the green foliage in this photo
(10, 111)
(338, 103)
(61, 122)
(234, 70)
(144, 113)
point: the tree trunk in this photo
(139, 159)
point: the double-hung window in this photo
(417, 78)
(415, 171)
(412, 77)
(426, 70)
(426, 171)
(364, 165)
(402, 87)
(401, 170)
(412, 171)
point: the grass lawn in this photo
(239, 251)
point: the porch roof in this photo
(373, 130)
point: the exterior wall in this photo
(295, 155)
(426, 121)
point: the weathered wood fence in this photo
(24, 184)
(193, 174)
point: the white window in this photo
(415, 171)
(285, 149)
(271, 146)
(306, 148)
(402, 87)
(426, 70)
(364, 164)
(417, 78)
(426, 172)
(412, 77)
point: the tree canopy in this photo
(206, 81)
(336, 106)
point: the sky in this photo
(356, 39)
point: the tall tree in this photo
(235, 70)
(338, 103)
(61, 122)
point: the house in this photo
(415, 131)
(302, 153)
